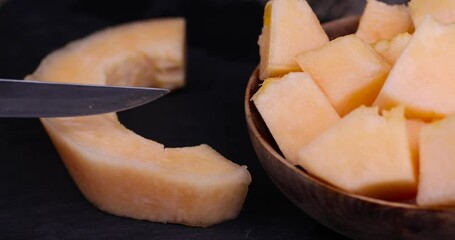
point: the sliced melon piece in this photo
(290, 27)
(381, 21)
(294, 110)
(422, 78)
(347, 70)
(119, 171)
(437, 164)
(365, 154)
(391, 50)
(441, 10)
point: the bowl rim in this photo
(249, 105)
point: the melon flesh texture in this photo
(290, 27)
(347, 70)
(119, 171)
(437, 164)
(381, 21)
(365, 154)
(295, 111)
(413, 126)
(442, 10)
(391, 50)
(422, 78)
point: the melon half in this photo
(119, 171)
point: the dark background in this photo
(38, 199)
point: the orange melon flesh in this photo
(381, 21)
(391, 50)
(347, 70)
(422, 78)
(413, 127)
(437, 164)
(295, 111)
(290, 27)
(119, 171)
(442, 10)
(365, 154)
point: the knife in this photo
(28, 99)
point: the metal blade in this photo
(22, 98)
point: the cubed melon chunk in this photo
(441, 10)
(437, 164)
(347, 70)
(422, 78)
(294, 110)
(391, 50)
(381, 21)
(364, 153)
(290, 27)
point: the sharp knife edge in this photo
(25, 98)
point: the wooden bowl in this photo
(352, 215)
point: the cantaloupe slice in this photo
(422, 78)
(365, 154)
(347, 70)
(381, 21)
(391, 50)
(119, 171)
(441, 10)
(290, 27)
(294, 110)
(437, 164)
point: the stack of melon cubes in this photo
(372, 113)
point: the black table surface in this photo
(38, 199)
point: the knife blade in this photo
(28, 99)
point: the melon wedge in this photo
(119, 171)
(422, 78)
(381, 21)
(441, 10)
(364, 153)
(391, 50)
(295, 111)
(347, 70)
(290, 27)
(437, 164)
